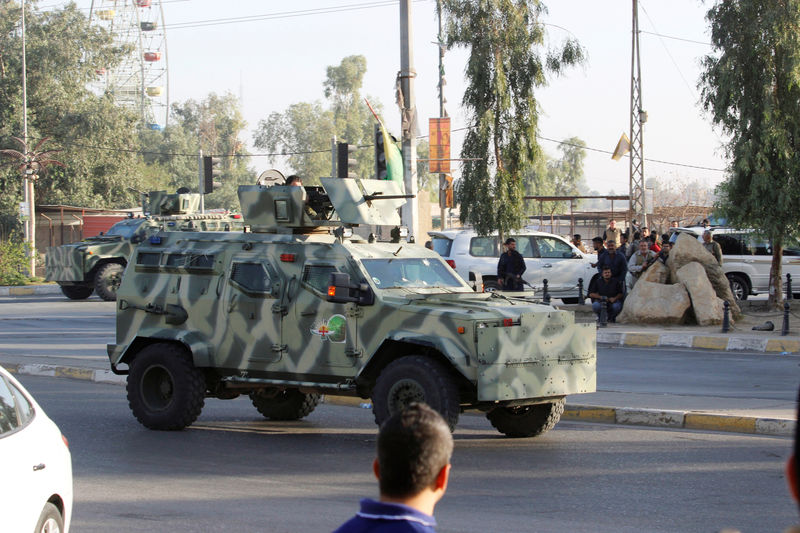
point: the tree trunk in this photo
(776, 276)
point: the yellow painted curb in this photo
(20, 291)
(641, 339)
(710, 343)
(736, 424)
(12, 369)
(75, 373)
(591, 414)
(782, 345)
(345, 400)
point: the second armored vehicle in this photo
(295, 308)
(96, 264)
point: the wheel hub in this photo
(157, 388)
(404, 392)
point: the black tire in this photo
(739, 287)
(50, 521)
(415, 378)
(526, 421)
(77, 292)
(287, 404)
(165, 390)
(491, 286)
(107, 280)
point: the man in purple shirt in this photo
(412, 467)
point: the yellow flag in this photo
(623, 147)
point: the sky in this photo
(279, 57)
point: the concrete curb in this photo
(628, 416)
(721, 341)
(30, 290)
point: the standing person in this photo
(673, 224)
(412, 467)
(712, 246)
(613, 260)
(609, 287)
(638, 263)
(599, 249)
(294, 181)
(666, 246)
(510, 267)
(612, 232)
(623, 247)
(653, 239)
(634, 244)
(578, 243)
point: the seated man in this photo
(611, 288)
(638, 263)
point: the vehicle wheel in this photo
(77, 292)
(415, 378)
(107, 281)
(287, 404)
(165, 390)
(739, 287)
(50, 521)
(528, 420)
(569, 301)
(491, 286)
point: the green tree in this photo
(506, 64)
(566, 173)
(303, 132)
(751, 88)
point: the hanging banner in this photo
(439, 140)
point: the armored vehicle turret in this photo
(96, 264)
(295, 307)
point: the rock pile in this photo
(690, 288)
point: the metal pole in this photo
(442, 176)
(333, 157)
(637, 118)
(200, 182)
(27, 183)
(410, 211)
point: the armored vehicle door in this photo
(250, 314)
(323, 333)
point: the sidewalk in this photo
(708, 413)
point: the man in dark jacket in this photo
(605, 286)
(510, 267)
(615, 261)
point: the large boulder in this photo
(707, 307)
(687, 249)
(657, 273)
(655, 303)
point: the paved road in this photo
(234, 471)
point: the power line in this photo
(673, 37)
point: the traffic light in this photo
(345, 165)
(381, 171)
(210, 172)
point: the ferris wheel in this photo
(140, 81)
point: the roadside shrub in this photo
(13, 261)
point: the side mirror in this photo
(340, 290)
(476, 281)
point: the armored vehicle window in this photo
(318, 276)
(126, 228)
(202, 261)
(551, 247)
(414, 273)
(175, 260)
(252, 277)
(148, 258)
(483, 247)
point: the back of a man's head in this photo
(413, 447)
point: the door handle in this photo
(547, 265)
(38, 467)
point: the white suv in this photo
(746, 259)
(547, 256)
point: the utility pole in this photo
(200, 183)
(410, 211)
(638, 118)
(442, 113)
(28, 178)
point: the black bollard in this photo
(726, 317)
(785, 328)
(546, 295)
(603, 312)
(788, 286)
(580, 291)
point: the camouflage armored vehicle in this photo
(96, 264)
(294, 308)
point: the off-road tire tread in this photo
(76, 292)
(428, 368)
(540, 419)
(294, 407)
(100, 285)
(186, 378)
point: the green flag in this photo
(394, 157)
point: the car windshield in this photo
(414, 273)
(125, 228)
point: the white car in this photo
(36, 465)
(747, 259)
(547, 256)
